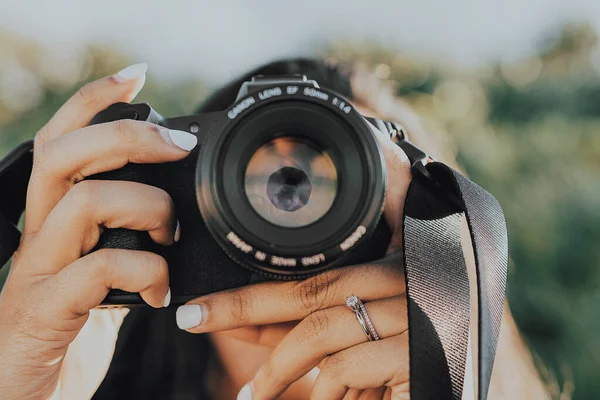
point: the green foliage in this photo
(525, 130)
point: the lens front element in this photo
(291, 182)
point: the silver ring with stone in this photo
(355, 304)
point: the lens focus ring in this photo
(289, 185)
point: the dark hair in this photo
(154, 359)
(329, 76)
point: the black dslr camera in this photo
(287, 182)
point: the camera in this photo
(287, 182)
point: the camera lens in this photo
(289, 189)
(291, 182)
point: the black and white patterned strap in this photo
(436, 274)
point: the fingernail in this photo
(132, 72)
(168, 298)
(182, 139)
(177, 233)
(246, 392)
(189, 316)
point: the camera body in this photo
(287, 182)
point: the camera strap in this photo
(15, 170)
(437, 281)
(438, 288)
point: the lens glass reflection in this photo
(291, 182)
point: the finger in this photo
(93, 98)
(398, 179)
(262, 335)
(368, 365)
(62, 162)
(322, 333)
(83, 285)
(273, 302)
(74, 226)
(370, 394)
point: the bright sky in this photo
(215, 39)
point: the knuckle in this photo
(165, 209)
(17, 256)
(158, 267)
(164, 198)
(50, 159)
(316, 327)
(103, 259)
(103, 256)
(240, 305)
(19, 261)
(42, 136)
(126, 131)
(84, 195)
(42, 155)
(334, 367)
(316, 292)
(270, 378)
(26, 237)
(87, 95)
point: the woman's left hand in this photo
(328, 334)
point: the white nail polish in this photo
(183, 140)
(132, 72)
(246, 392)
(167, 298)
(189, 316)
(177, 233)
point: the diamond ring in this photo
(353, 302)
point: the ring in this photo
(354, 303)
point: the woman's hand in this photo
(328, 334)
(54, 282)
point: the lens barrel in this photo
(291, 181)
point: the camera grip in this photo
(125, 238)
(147, 174)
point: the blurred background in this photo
(513, 87)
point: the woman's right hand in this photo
(54, 280)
